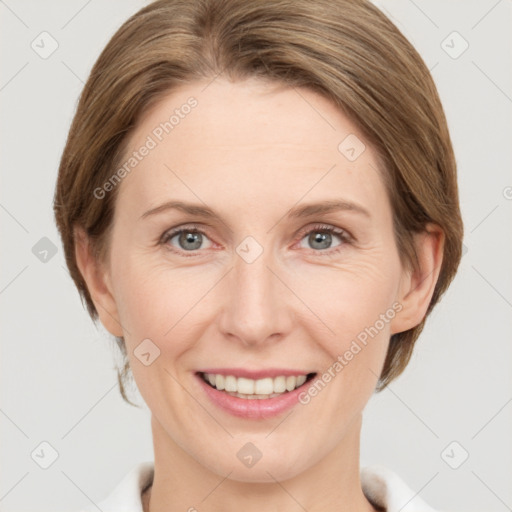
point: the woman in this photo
(259, 201)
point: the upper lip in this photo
(255, 374)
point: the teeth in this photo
(245, 386)
(254, 389)
(279, 384)
(219, 382)
(264, 386)
(230, 383)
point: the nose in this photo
(257, 308)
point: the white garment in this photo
(380, 485)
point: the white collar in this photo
(381, 486)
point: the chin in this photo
(264, 471)
(254, 459)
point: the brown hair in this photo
(346, 50)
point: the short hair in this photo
(348, 51)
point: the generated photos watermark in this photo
(156, 136)
(344, 359)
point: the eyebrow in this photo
(304, 211)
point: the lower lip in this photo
(254, 409)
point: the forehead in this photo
(251, 139)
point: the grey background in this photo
(58, 382)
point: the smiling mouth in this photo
(250, 389)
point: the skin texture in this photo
(252, 151)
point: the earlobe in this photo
(417, 285)
(97, 280)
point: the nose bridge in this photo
(255, 307)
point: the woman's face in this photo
(255, 286)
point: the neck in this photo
(181, 483)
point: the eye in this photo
(187, 239)
(320, 238)
(190, 239)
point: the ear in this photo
(417, 285)
(97, 278)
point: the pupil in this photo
(323, 239)
(190, 237)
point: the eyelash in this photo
(324, 228)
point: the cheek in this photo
(350, 298)
(359, 307)
(168, 305)
(335, 300)
(155, 298)
(153, 301)
(356, 305)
